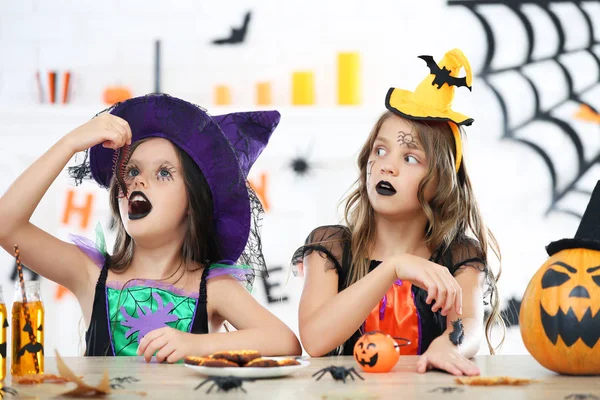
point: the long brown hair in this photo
(452, 212)
(200, 243)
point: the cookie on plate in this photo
(240, 357)
(288, 362)
(193, 360)
(262, 363)
(209, 362)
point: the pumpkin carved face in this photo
(376, 352)
(560, 317)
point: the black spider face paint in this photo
(408, 140)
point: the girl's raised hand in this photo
(113, 132)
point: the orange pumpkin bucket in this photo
(377, 351)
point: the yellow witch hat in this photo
(432, 99)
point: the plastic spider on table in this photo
(7, 390)
(117, 383)
(447, 389)
(338, 373)
(582, 396)
(224, 383)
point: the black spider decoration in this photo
(458, 333)
(338, 373)
(117, 383)
(224, 383)
(7, 390)
(300, 166)
(582, 396)
(447, 389)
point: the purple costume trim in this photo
(243, 274)
(240, 274)
(89, 248)
(118, 285)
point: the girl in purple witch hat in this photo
(186, 249)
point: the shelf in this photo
(70, 111)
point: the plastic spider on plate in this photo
(338, 373)
(224, 383)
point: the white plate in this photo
(255, 373)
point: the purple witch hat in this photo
(224, 147)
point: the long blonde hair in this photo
(451, 213)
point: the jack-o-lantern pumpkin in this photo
(376, 352)
(560, 311)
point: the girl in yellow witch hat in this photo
(412, 258)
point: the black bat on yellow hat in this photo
(442, 75)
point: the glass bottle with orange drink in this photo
(27, 356)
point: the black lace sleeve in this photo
(331, 241)
(467, 252)
(464, 253)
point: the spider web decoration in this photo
(565, 182)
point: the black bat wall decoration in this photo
(237, 34)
